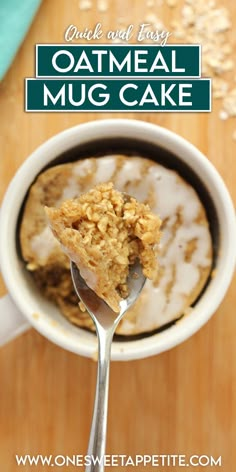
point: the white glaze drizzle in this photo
(104, 170)
(43, 244)
(71, 190)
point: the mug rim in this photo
(79, 134)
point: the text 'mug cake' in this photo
(184, 252)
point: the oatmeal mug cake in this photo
(185, 249)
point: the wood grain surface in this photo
(183, 401)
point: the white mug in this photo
(25, 307)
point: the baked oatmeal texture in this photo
(103, 232)
(184, 252)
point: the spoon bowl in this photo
(98, 309)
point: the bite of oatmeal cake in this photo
(103, 231)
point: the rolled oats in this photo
(104, 231)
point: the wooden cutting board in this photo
(183, 401)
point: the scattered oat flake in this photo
(151, 17)
(229, 103)
(206, 23)
(220, 87)
(234, 135)
(201, 22)
(155, 21)
(223, 115)
(35, 316)
(85, 4)
(150, 3)
(188, 15)
(102, 5)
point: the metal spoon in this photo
(106, 321)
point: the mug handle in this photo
(12, 322)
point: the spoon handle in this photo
(97, 440)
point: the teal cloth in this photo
(15, 19)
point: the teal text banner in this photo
(121, 61)
(118, 95)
